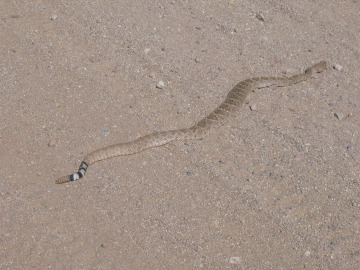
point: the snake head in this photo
(317, 68)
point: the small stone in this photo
(221, 68)
(271, 175)
(338, 67)
(189, 173)
(235, 260)
(350, 147)
(307, 253)
(160, 85)
(264, 39)
(147, 50)
(339, 115)
(57, 104)
(105, 132)
(53, 17)
(260, 17)
(253, 107)
(197, 60)
(52, 143)
(152, 75)
(290, 71)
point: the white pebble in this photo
(160, 84)
(338, 67)
(253, 107)
(53, 17)
(106, 132)
(235, 260)
(264, 39)
(290, 71)
(147, 50)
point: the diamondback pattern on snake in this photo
(225, 111)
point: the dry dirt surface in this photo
(276, 188)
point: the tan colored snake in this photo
(226, 110)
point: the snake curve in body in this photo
(226, 110)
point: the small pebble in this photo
(289, 71)
(160, 85)
(235, 260)
(260, 17)
(221, 68)
(350, 147)
(52, 143)
(105, 132)
(53, 17)
(339, 115)
(307, 253)
(147, 50)
(189, 173)
(271, 175)
(338, 67)
(264, 39)
(197, 60)
(253, 107)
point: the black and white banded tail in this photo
(75, 176)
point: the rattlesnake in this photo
(217, 118)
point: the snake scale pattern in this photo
(225, 111)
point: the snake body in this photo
(225, 111)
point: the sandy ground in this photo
(277, 188)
